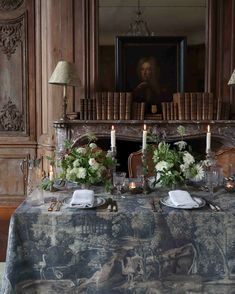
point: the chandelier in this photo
(139, 26)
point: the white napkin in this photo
(182, 198)
(83, 198)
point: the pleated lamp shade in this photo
(232, 79)
(65, 73)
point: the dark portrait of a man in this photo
(149, 89)
(150, 67)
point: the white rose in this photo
(92, 145)
(162, 165)
(92, 161)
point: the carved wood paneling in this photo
(220, 52)
(14, 89)
(10, 37)
(12, 177)
(8, 5)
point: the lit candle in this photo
(132, 185)
(208, 139)
(144, 143)
(51, 175)
(230, 186)
(113, 137)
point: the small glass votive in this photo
(135, 186)
(229, 185)
(132, 185)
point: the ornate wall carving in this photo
(10, 118)
(8, 5)
(10, 36)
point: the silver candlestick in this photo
(113, 153)
(145, 185)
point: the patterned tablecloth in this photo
(134, 250)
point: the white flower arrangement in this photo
(176, 165)
(86, 165)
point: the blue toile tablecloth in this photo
(133, 250)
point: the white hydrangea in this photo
(162, 165)
(81, 150)
(92, 145)
(181, 145)
(81, 173)
(76, 163)
(188, 158)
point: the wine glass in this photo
(213, 179)
(119, 181)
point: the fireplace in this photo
(129, 134)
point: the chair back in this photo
(135, 164)
(226, 159)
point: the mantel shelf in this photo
(131, 130)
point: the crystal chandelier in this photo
(139, 26)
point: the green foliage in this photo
(87, 164)
(175, 165)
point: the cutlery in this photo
(153, 206)
(160, 206)
(115, 208)
(58, 206)
(156, 207)
(212, 205)
(52, 205)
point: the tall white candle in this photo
(144, 142)
(51, 175)
(208, 139)
(113, 137)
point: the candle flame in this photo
(208, 129)
(144, 127)
(112, 127)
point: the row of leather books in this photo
(107, 106)
(195, 106)
(170, 111)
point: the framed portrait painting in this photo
(150, 67)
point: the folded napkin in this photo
(83, 198)
(182, 198)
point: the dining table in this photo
(128, 243)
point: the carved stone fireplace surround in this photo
(131, 130)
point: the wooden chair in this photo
(226, 159)
(135, 163)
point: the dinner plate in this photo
(98, 202)
(167, 202)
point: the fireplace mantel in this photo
(131, 130)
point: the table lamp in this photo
(232, 79)
(65, 74)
